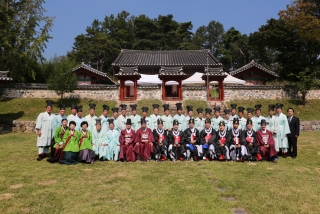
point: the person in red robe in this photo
(144, 142)
(265, 142)
(126, 139)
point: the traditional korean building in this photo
(4, 79)
(254, 74)
(175, 65)
(89, 76)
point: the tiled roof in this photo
(171, 71)
(215, 72)
(166, 58)
(88, 68)
(253, 64)
(4, 76)
(128, 71)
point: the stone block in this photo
(314, 127)
(307, 127)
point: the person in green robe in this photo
(122, 119)
(167, 118)
(86, 153)
(91, 117)
(200, 121)
(284, 129)
(44, 131)
(188, 117)
(135, 118)
(112, 140)
(104, 118)
(257, 119)
(99, 140)
(227, 119)
(115, 117)
(154, 117)
(242, 120)
(58, 139)
(145, 116)
(215, 121)
(273, 124)
(70, 147)
(180, 117)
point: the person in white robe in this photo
(273, 125)
(122, 119)
(135, 118)
(154, 117)
(284, 129)
(112, 139)
(91, 117)
(233, 111)
(188, 117)
(257, 119)
(115, 117)
(104, 118)
(145, 116)
(179, 117)
(200, 121)
(167, 118)
(79, 118)
(56, 122)
(73, 115)
(242, 120)
(227, 119)
(215, 121)
(208, 113)
(99, 143)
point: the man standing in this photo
(242, 120)
(192, 142)
(115, 117)
(112, 138)
(155, 116)
(266, 143)
(257, 119)
(215, 121)
(160, 142)
(79, 118)
(179, 116)
(208, 113)
(144, 142)
(233, 111)
(99, 144)
(135, 119)
(123, 117)
(283, 131)
(44, 131)
(145, 116)
(104, 118)
(227, 119)
(200, 121)
(91, 117)
(167, 118)
(207, 138)
(56, 122)
(250, 115)
(273, 125)
(188, 117)
(294, 124)
(176, 148)
(73, 115)
(127, 137)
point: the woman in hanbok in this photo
(86, 153)
(70, 147)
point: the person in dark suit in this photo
(294, 124)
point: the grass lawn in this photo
(28, 186)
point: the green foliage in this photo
(148, 103)
(61, 79)
(24, 31)
(195, 104)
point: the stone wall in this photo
(149, 93)
(194, 93)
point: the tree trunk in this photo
(61, 97)
(304, 98)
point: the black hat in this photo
(175, 122)
(279, 105)
(105, 107)
(235, 120)
(84, 122)
(221, 123)
(79, 108)
(98, 120)
(128, 121)
(133, 107)
(110, 121)
(217, 108)
(208, 111)
(115, 109)
(233, 106)
(160, 121)
(143, 121)
(92, 106)
(72, 122)
(62, 107)
(73, 106)
(189, 108)
(271, 107)
(123, 107)
(191, 120)
(179, 106)
(263, 122)
(250, 110)
(49, 103)
(227, 111)
(200, 110)
(145, 109)
(241, 109)
(64, 119)
(258, 107)
(249, 121)
(166, 107)
(207, 120)
(155, 106)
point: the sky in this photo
(73, 16)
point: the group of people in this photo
(75, 138)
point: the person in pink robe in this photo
(144, 142)
(265, 142)
(126, 139)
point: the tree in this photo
(24, 31)
(61, 79)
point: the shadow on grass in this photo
(68, 101)
(5, 99)
(296, 101)
(11, 116)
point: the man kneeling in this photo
(144, 142)
(222, 141)
(207, 137)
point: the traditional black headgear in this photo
(166, 107)
(179, 106)
(155, 106)
(227, 111)
(115, 109)
(143, 121)
(250, 110)
(92, 106)
(128, 121)
(105, 107)
(175, 122)
(221, 123)
(191, 120)
(98, 120)
(73, 106)
(133, 107)
(63, 119)
(145, 109)
(241, 109)
(200, 110)
(72, 122)
(49, 103)
(62, 107)
(263, 122)
(271, 107)
(189, 108)
(258, 107)
(84, 122)
(249, 121)
(123, 107)
(233, 106)
(79, 108)
(208, 111)
(217, 108)
(235, 120)
(160, 121)
(207, 120)
(279, 105)
(110, 121)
